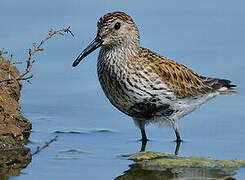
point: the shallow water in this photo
(207, 36)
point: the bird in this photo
(142, 84)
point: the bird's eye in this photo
(117, 25)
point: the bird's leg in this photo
(143, 135)
(178, 139)
(174, 124)
(144, 140)
(176, 152)
(143, 145)
(141, 124)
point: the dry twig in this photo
(39, 149)
(2, 51)
(32, 52)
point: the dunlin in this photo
(142, 84)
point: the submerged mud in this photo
(14, 128)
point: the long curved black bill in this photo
(91, 47)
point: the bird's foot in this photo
(178, 140)
(143, 139)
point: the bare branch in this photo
(2, 51)
(68, 31)
(16, 62)
(32, 52)
(13, 79)
(46, 144)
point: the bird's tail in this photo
(226, 87)
(222, 86)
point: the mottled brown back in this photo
(181, 80)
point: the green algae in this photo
(158, 160)
(148, 156)
(157, 165)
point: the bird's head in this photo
(115, 30)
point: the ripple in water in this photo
(71, 154)
(84, 131)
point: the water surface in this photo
(207, 36)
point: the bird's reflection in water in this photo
(176, 152)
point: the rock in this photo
(157, 165)
(14, 128)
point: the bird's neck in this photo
(121, 52)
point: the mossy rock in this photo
(157, 165)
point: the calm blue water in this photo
(207, 36)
